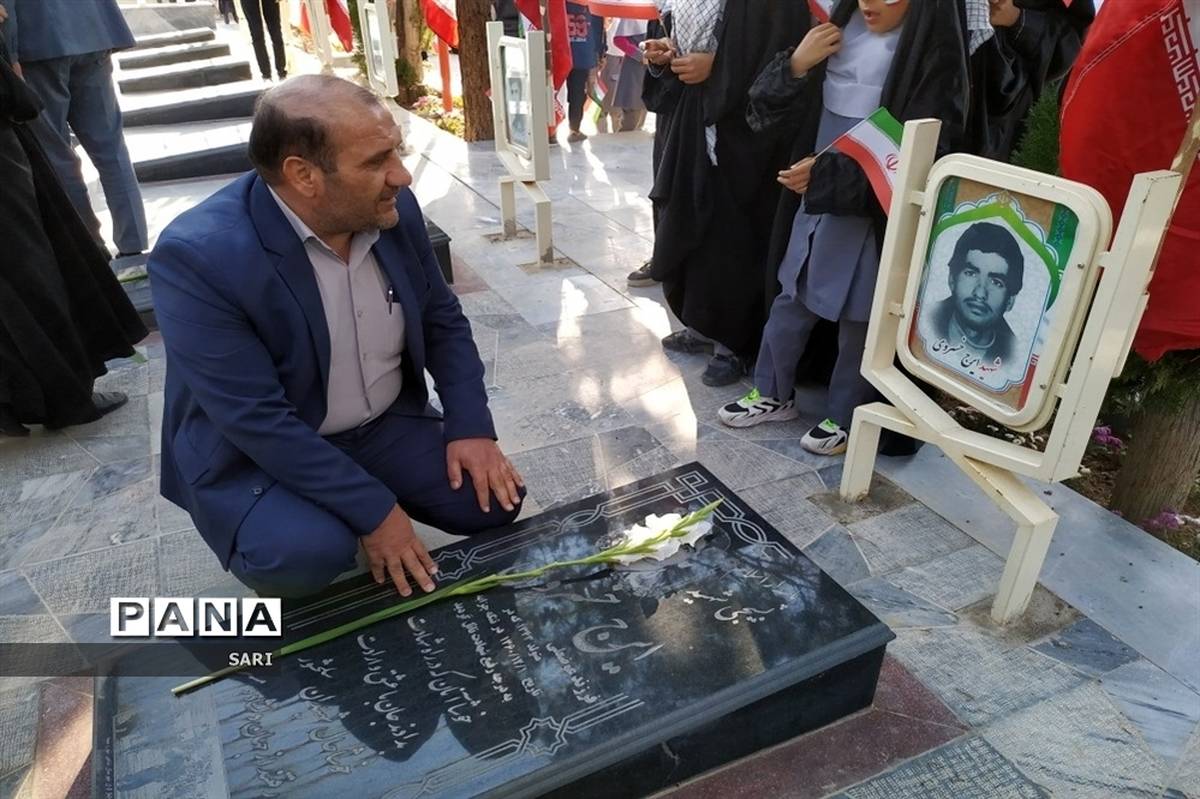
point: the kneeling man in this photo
(301, 307)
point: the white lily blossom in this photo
(654, 526)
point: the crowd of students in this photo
(767, 242)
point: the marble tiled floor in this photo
(585, 399)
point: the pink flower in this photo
(1104, 437)
(1166, 520)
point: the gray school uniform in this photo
(828, 272)
(832, 261)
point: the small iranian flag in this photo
(875, 144)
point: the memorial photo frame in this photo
(518, 95)
(520, 102)
(379, 46)
(998, 287)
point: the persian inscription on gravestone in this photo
(519, 688)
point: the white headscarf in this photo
(855, 75)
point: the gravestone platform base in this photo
(591, 681)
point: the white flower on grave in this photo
(660, 537)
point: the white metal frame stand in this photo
(996, 466)
(527, 166)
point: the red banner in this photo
(560, 44)
(624, 9)
(440, 16)
(1125, 111)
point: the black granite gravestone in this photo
(596, 682)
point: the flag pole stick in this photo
(1185, 159)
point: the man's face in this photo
(361, 194)
(980, 290)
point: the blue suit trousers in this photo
(289, 546)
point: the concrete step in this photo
(193, 150)
(226, 160)
(185, 76)
(169, 38)
(173, 54)
(226, 105)
(167, 17)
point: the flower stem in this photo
(461, 588)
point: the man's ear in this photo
(301, 176)
(1009, 304)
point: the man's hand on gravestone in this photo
(489, 469)
(393, 548)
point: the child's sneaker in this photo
(754, 409)
(827, 438)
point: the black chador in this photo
(62, 311)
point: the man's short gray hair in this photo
(293, 119)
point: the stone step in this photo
(167, 17)
(186, 76)
(226, 105)
(169, 38)
(193, 150)
(173, 54)
(156, 141)
(224, 160)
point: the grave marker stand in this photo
(1092, 347)
(521, 112)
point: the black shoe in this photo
(283, 74)
(108, 401)
(640, 277)
(9, 425)
(685, 341)
(723, 370)
(103, 403)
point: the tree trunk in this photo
(1162, 461)
(409, 68)
(473, 16)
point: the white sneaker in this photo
(754, 409)
(827, 438)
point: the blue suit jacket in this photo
(248, 361)
(41, 29)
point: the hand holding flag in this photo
(820, 10)
(875, 144)
(796, 176)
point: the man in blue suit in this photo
(63, 50)
(300, 307)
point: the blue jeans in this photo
(79, 96)
(289, 546)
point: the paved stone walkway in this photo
(1088, 699)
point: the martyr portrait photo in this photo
(986, 297)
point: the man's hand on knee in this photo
(489, 470)
(393, 547)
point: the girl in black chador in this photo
(714, 189)
(907, 56)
